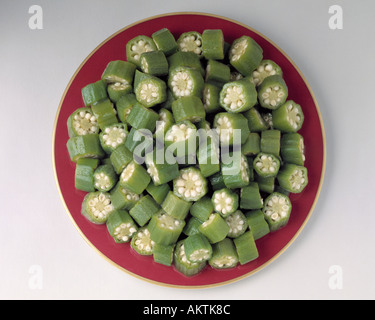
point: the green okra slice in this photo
(105, 177)
(266, 184)
(217, 181)
(197, 248)
(245, 55)
(119, 71)
(113, 136)
(232, 128)
(94, 92)
(86, 146)
(120, 158)
(288, 117)
(215, 229)
(97, 206)
(277, 209)
(141, 117)
(236, 174)
(189, 108)
(292, 177)
(183, 265)
(250, 197)
(122, 198)
(251, 146)
(185, 59)
(213, 44)
(292, 148)
(144, 209)
(224, 255)
(81, 122)
(176, 207)
(211, 97)
(163, 254)
(165, 41)
(84, 174)
(105, 113)
(270, 141)
(134, 177)
(192, 226)
(265, 69)
(165, 229)
(121, 226)
(202, 208)
(209, 156)
(266, 165)
(161, 172)
(136, 46)
(164, 123)
(238, 96)
(255, 120)
(141, 242)
(246, 248)
(150, 90)
(225, 202)
(237, 223)
(117, 90)
(181, 139)
(140, 142)
(191, 41)
(257, 223)
(273, 92)
(185, 81)
(158, 192)
(154, 63)
(190, 185)
(217, 73)
(124, 105)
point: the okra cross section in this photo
(181, 138)
(150, 91)
(81, 122)
(113, 136)
(136, 46)
(197, 248)
(288, 117)
(266, 165)
(190, 42)
(105, 177)
(121, 226)
(225, 202)
(97, 207)
(183, 265)
(273, 92)
(237, 223)
(277, 208)
(293, 178)
(224, 255)
(142, 243)
(185, 81)
(232, 128)
(238, 96)
(190, 185)
(265, 69)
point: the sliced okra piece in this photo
(255, 120)
(251, 146)
(105, 112)
(161, 172)
(165, 41)
(215, 229)
(154, 63)
(164, 123)
(277, 209)
(185, 81)
(150, 90)
(209, 156)
(288, 117)
(141, 117)
(94, 92)
(124, 106)
(210, 99)
(181, 138)
(158, 192)
(140, 142)
(105, 177)
(225, 202)
(237, 224)
(183, 265)
(185, 59)
(141, 242)
(189, 108)
(120, 158)
(266, 165)
(84, 174)
(197, 248)
(202, 208)
(121, 226)
(238, 96)
(123, 198)
(217, 73)
(119, 71)
(176, 207)
(273, 92)
(136, 46)
(117, 90)
(270, 141)
(87, 146)
(191, 41)
(250, 197)
(265, 69)
(232, 128)
(144, 209)
(192, 226)
(246, 248)
(266, 184)
(292, 177)
(245, 55)
(165, 229)
(213, 44)
(190, 185)
(224, 255)
(113, 136)
(292, 148)
(134, 177)
(97, 206)
(217, 181)
(257, 224)
(82, 121)
(236, 174)
(163, 254)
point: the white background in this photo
(35, 68)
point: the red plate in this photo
(121, 255)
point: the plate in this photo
(121, 255)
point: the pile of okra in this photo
(189, 149)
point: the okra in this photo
(97, 206)
(185, 59)
(136, 46)
(176, 207)
(270, 142)
(213, 44)
(144, 209)
(236, 174)
(158, 192)
(225, 202)
(215, 229)
(191, 42)
(185, 81)
(237, 224)
(121, 226)
(288, 117)
(105, 113)
(183, 265)
(164, 229)
(154, 63)
(217, 181)
(238, 96)
(255, 120)
(277, 208)
(113, 136)
(134, 177)
(165, 41)
(266, 165)
(192, 226)
(246, 248)
(105, 177)
(250, 197)
(273, 92)
(224, 255)
(141, 117)
(86, 146)
(94, 92)
(84, 174)
(120, 158)
(150, 90)
(160, 173)
(251, 146)
(202, 208)
(181, 139)
(217, 73)
(163, 254)
(211, 97)
(292, 177)
(122, 198)
(197, 248)
(124, 105)
(142, 243)
(190, 185)
(245, 55)
(209, 156)
(117, 90)
(265, 69)
(189, 108)
(292, 148)
(257, 224)
(232, 128)
(164, 123)
(118, 71)
(140, 142)
(81, 122)
(266, 184)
